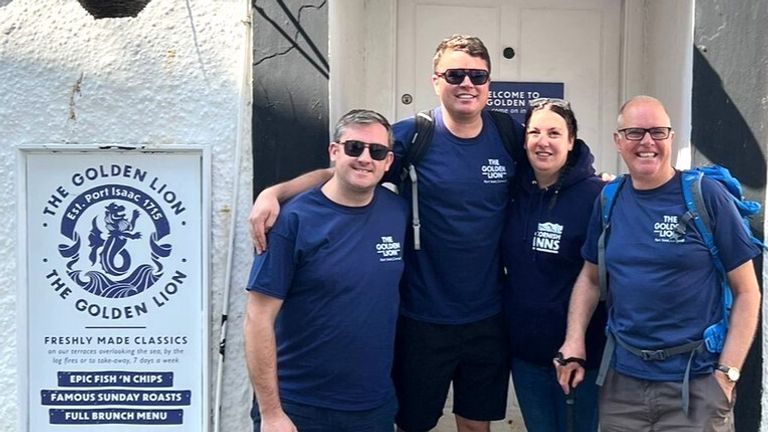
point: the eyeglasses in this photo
(541, 102)
(354, 148)
(456, 76)
(637, 134)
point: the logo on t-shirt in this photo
(494, 172)
(547, 237)
(389, 249)
(665, 231)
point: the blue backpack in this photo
(696, 212)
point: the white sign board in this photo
(114, 256)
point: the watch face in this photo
(733, 374)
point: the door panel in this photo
(416, 43)
(576, 42)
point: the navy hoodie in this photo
(541, 251)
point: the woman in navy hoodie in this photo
(541, 251)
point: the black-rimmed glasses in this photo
(637, 134)
(456, 76)
(354, 148)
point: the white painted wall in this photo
(178, 73)
(657, 60)
(361, 55)
(670, 54)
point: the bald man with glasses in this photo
(663, 292)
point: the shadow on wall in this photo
(286, 144)
(720, 132)
(290, 90)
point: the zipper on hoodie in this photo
(534, 214)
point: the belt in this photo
(651, 355)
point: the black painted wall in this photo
(730, 127)
(290, 89)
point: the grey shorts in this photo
(630, 404)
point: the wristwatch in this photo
(732, 373)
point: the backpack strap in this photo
(420, 140)
(510, 136)
(696, 212)
(693, 347)
(607, 200)
(422, 137)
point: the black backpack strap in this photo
(422, 137)
(420, 140)
(510, 136)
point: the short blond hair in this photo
(465, 43)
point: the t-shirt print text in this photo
(389, 249)
(494, 172)
(665, 230)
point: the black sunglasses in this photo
(456, 76)
(541, 102)
(354, 148)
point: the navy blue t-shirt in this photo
(337, 269)
(664, 291)
(463, 192)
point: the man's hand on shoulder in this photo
(263, 215)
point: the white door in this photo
(574, 42)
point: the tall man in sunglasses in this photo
(663, 291)
(450, 330)
(323, 300)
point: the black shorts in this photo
(428, 357)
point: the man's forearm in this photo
(584, 299)
(741, 329)
(744, 316)
(290, 188)
(261, 358)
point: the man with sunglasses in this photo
(663, 291)
(450, 329)
(323, 300)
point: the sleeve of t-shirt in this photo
(594, 229)
(730, 235)
(272, 271)
(402, 132)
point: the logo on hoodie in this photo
(547, 237)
